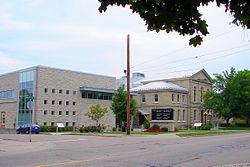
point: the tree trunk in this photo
(227, 124)
(248, 121)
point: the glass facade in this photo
(26, 94)
(96, 95)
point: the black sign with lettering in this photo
(163, 114)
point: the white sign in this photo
(60, 125)
(197, 124)
(29, 105)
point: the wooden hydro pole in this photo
(128, 86)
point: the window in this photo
(178, 98)
(6, 94)
(60, 113)
(60, 102)
(67, 102)
(183, 98)
(60, 91)
(67, 112)
(202, 90)
(179, 115)
(195, 114)
(45, 123)
(52, 123)
(45, 90)
(66, 124)
(156, 97)
(173, 97)
(96, 95)
(143, 99)
(45, 112)
(45, 102)
(53, 90)
(53, 102)
(74, 103)
(67, 91)
(52, 112)
(183, 115)
(74, 92)
(194, 93)
(73, 113)
(73, 124)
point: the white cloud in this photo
(9, 23)
(5, 60)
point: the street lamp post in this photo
(30, 106)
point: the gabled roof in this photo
(160, 85)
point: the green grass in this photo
(207, 133)
(236, 128)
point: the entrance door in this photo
(2, 120)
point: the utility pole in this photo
(128, 86)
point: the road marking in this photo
(61, 141)
(74, 162)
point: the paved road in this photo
(128, 151)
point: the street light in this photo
(29, 104)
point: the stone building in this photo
(55, 95)
(173, 102)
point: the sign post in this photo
(29, 107)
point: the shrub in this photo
(176, 129)
(114, 129)
(164, 129)
(146, 124)
(88, 129)
(45, 128)
(154, 128)
(206, 126)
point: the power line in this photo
(201, 61)
(190, 58)
(180, 49)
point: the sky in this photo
(74, 35)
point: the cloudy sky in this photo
(74, 35)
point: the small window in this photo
(173, 97)
(74, 92)
(195, 114)
(194, 93)
(60, 102)
(66, 124)
(143, 99)
(45, 102)
(52, 123)
(67, 112)
(178, 98)
(74, 103)
(45, 112)
(73, 113)
(45, 90)
(73, 124)
(53, 102)
(52, 112)
(67, 91)
(53, 90)
(67, 102)
(45, 123)
(60, 91)
(156, 97)
(60, 113)
(183, 98)
(179, 115)
(183, 115)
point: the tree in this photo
(218, 98)
(119, 105)
(96, 113)
(239, 99)
(181, 16)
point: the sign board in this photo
(197, 124)
(60, 125)
(163, 114)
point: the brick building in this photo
(59, 96)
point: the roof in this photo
(160, 85)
